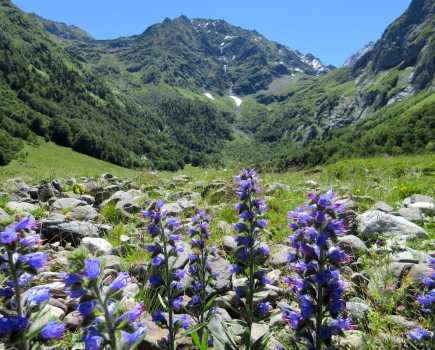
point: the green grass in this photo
(49, 161)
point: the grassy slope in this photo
(49, 161)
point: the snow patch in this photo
(238, 101)
(209, 95)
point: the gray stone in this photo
(425, 207)
(358, 310)
(67, 203)
(92, 187)
(181, 260)
(48, 313)
(225, 227)
(173, 209)
(417, 198)
(97, 246)
(402, 322)
(73, 320)
(4, 215)
(411, 214)
(88, 199)
(222, 268)
(418, 272)
(112, 262)
(353, 339)
(229, 243)
(374, 222)
(84, 213)
(382, 206)
(280, 256)
(352, 245)
(45, 192)
(72, 232)
(20, 207)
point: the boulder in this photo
(67, 203)
(48, 313)
(357, 309)
(4, 215)
(173, 209)
(382, 206)
(73, 231)
(425, 207)
(45, 192)
(229, 243)
(97, 246)
(374, 222)
(222, 269)
(415, 198)
(20, 207)
(352, 245)
(279, 257)
(411, 214)
(84, 213)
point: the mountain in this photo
(357, 100)
(197, 54)
(161, 98)
(45, 91)
(360, 53)
(63, 30)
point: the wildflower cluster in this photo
(104, 322)
(19, 262)
(166, 247)
(315, 279)
(427, 302)
(251, 253)
(200, 304)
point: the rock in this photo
(20, 207)
(97, 246)
(426, 208)
(374, 222)
(411, 214)
(276, 319)
(222, 268)
(112, 262)
(417, 273)
(92, 186)
(73, 320)
(107, 176)
(4, 215)
(417, 198)
(88, 199)
(84, 213)
(173, 209)
(352, 340)
(258, 330)
(229, 243)
(45, 192)
(402, 322)
(220, 329)
(181, 260)
(358, 310)
(48, 313)
(67, 203)
(382, 206)
(72, 232)
(352, 245)
(280, 257)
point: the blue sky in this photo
(330, 29)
